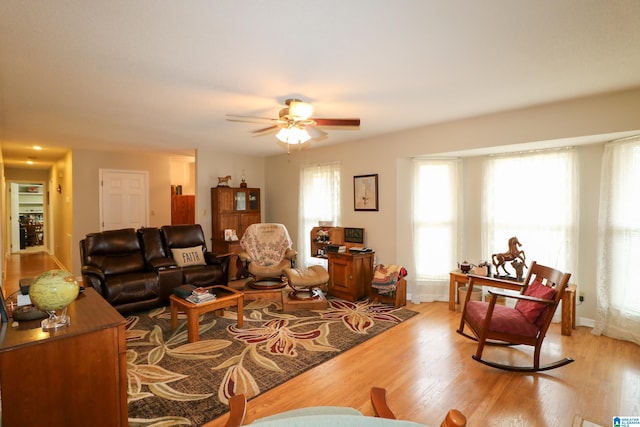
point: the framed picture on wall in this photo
(365, 192)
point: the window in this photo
(319, 201)
(533, 197)
(618, 302)
(436, 217)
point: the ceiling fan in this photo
(295, 124)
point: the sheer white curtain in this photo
(618, 302)
(533, 196)
(319, 201)
(437, 217)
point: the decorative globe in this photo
(53, 290)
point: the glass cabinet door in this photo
(254, 200)
(241, 201)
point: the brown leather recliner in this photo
(214, 270)
(134, 270)
(113, 264)
(169, 275)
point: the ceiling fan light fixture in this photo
(295, 124)
(293, 135)
(300, 110)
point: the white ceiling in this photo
(161, 75)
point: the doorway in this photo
(27, 221)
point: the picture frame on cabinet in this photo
(230, 235)
(365, 192)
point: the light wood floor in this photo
(426, 368)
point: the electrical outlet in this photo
(581, 298)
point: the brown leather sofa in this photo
(134, 270)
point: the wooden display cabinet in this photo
(350, 274)
(235, 209)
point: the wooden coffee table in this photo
(225, 297)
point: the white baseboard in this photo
(585, 321)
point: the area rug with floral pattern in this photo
(176, 383)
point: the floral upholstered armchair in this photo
(267, 252)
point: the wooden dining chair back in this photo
(238, 404)
(527, 323)
(454, 418)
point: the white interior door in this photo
(124, 199)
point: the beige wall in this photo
(212, 164)
(60, 210)
(389, 230)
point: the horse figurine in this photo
(519, 267)
(223, 181)
(514, 254)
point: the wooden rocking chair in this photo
(238, 404)
(527, 323)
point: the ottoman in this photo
(305, 285)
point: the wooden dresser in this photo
(350, 274)
(73, 376)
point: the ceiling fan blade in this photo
(246, 121)
(336, 122)
(249, 119)
(267, 129)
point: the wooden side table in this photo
(456, 279)
(349, 274)
(225, 297)
(569, 309)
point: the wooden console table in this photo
(72, 376)
(457, 278)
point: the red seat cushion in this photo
(532, 310)
(504, 319)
